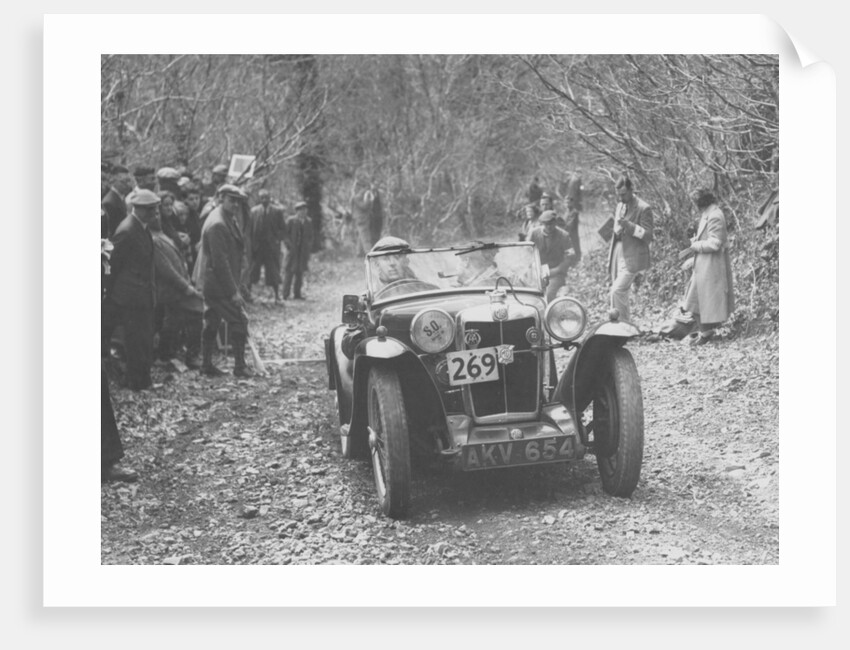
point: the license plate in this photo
(473, 366)
(519, 452)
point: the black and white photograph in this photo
(457, 311)
(468, 309)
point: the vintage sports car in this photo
(450, 353)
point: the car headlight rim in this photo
(432, 345)
(555, 309)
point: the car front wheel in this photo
(618, 425)
(389, 441)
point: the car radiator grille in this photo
(516, 391)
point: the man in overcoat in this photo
(222, 256)
(628, 252)
(267, 227)
(710, 295)
(131, 289)
(182, 304)
(299, 242)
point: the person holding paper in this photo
(628, 252)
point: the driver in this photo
(392, 268)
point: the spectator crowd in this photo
(179, 258)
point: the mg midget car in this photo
(450, 354)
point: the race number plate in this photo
(473, 366)
(519, 452)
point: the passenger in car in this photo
(477, 268)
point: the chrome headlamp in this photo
(432, 330)
(565, 319)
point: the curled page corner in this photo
(804, 54)
(795, 47)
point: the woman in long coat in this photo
(710, 295)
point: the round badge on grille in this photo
(500, 312)
(472, 338)
(532, 335)
(516, 434)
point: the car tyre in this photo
(389, 441)
(618, 425)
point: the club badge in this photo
(506, 354)
(472, 338)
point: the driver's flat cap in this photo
(390, 244)
(547, 216)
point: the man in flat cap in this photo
(222, 256)
(219, 178)
(299, 243)
(145, 179)
(130, 288)
(167, 179)
(556, 251)
(113, 202)
(267, 227)
(628, 252)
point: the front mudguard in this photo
(579, 381)
(340, 373)
(369, 352)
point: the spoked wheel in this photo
(618, 425)
(389, 442)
